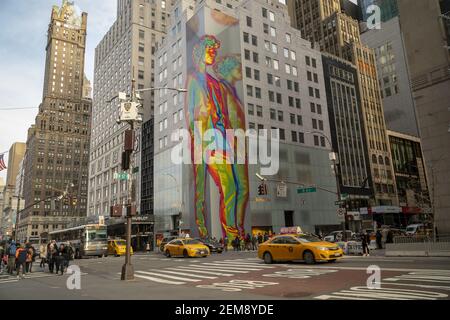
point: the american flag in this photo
(2, 163)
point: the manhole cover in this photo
(296, 294)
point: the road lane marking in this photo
(201, 271)
(168, 276)
(187, 274)
(158, 280)
(385, 294)
(217, 269)
(231, 267)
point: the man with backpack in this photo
(11, 252)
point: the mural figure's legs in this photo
(200, 204)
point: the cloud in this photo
(23, 36)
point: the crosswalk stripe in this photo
(158, 280)
(9, 281)
(187, 274)
(202, 271)
(232, 267)
(246, 264)
(168, 276)
(216, 268)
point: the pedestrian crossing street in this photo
(194, 273)
(7, 278)
(417, 285)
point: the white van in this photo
(413, 229)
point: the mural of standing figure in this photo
(209, 105)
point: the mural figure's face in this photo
(237, 73)
(210, 55)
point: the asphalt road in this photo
(239, 276)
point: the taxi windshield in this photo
(121, 243)
(304, 238)
(191, 241)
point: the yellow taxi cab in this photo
(118, 247)
(290, 247)
(186, 247)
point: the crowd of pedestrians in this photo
(247, 243)
(18, 258)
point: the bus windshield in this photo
(96, 234)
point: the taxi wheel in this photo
(167, 253)
(308, 256)
(332, 261)
(116, 254)
(268, 258)
(185, 254)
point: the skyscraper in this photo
(323, 23)
(15, 158)
(58, 143)
(125, 53)
(426, 31)
(277, 78)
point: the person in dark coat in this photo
(365, 244)
(379, 237)
(62, 261)
(390, 237)
(52, 253)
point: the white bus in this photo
(86, 240)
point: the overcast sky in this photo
(23, 31)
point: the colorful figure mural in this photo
(214, 103)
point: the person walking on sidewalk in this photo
(379, 237)
(43, 254)
(21, 259)
(365, 244)
(11, 252)
(52, 253)
(30, 257)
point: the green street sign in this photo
(344, 196)
(121, 176)
(306, 190)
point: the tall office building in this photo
(426, 31)
(58, 143)
(125, 53)
(323, 23)
(15, 158)
(280, 86)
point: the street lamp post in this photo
(129, 114)
(335, 161)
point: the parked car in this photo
(213, 246)
(166, 241)
(414, 229)
(333, 236)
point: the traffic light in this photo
(262, 189)
(74, 202)
(116, 211)
(66, 201)
(126, 155)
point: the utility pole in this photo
(129, 113)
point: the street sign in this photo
(282, 190)
(121, 176)
(344, 196)
(306, 190)
(341, 214)
(338, 203)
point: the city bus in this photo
(86, 240)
